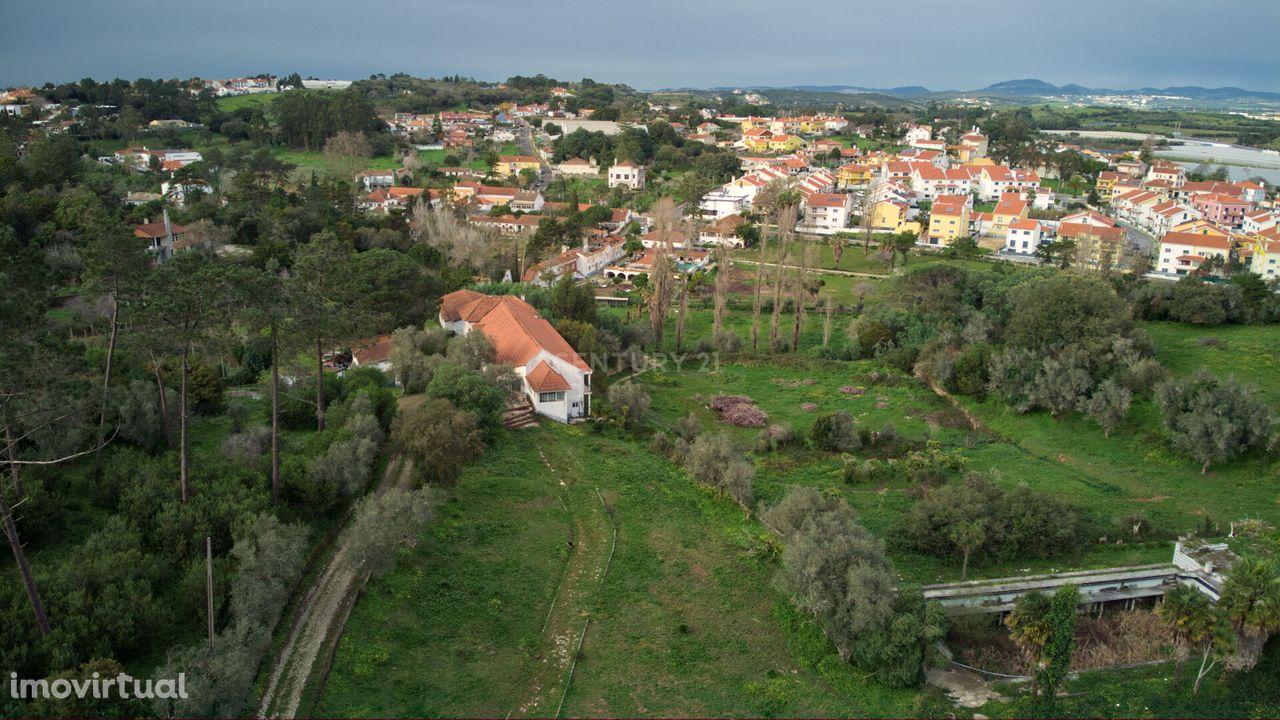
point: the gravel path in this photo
(318, 622)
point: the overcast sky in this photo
(952, 44)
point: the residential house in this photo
(1222, 209)
(948, 219)
(1094, 243)
(513, 164)
(374, 352)
(398, 198)
(1259, 221)
(996, 180)
(554, 377)
(1023, 236)
(1167, 172)
(785, 143)
(756, 139)
(686, 261)
(917, 133)
(582, 262)
(1131, 168)
(165, 237)
(1263, 257)
(626, 174)
(373, 179)
(1106, 185)
(1165, 216)
(826, 213)
(1088, 217)
(1181, 253)
(723, 232)
(976, 142)
(507, 224)
(579, 167)
(527, 201)
(1009, 210)
(889, 215)
(853, 175)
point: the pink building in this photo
(1223, 209)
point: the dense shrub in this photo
(834, 432)
(714, 460)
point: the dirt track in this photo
(318, 623)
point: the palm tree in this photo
(1189, 615)
(1251, 601)
(1030, 628)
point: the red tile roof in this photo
(372, 351)
(517, 331)
(542, 378)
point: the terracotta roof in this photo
(451, 305)
(517, 331)
(155, 230)
(827, 200)
(1196, 240)
(1071, 229)
(542, 378)
(372, 351)
(1011, 206)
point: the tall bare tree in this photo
(798, 292)
(683, 313)
(721, 291)
(786, 234)
(756, 298)
(864, 220)
(666, 222)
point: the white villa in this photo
(555, 379)
(628, 174)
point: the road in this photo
(1139, 239)
(525, 138)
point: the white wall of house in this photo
(561, 406)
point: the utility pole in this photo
(208, 565)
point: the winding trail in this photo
(591, 550)
(321, 617)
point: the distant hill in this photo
(1021, 87)
(1034, 87)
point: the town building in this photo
(626, 174)
(554, 378)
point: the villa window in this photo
(557, 396)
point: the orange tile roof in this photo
(1197, 240)
(372, 351)
(517, 331)
(451, 305)
(1071, 229)
(542, 378)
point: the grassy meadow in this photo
(685, 620)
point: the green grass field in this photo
(685, 622)
(1250, 353)
(237, 102)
